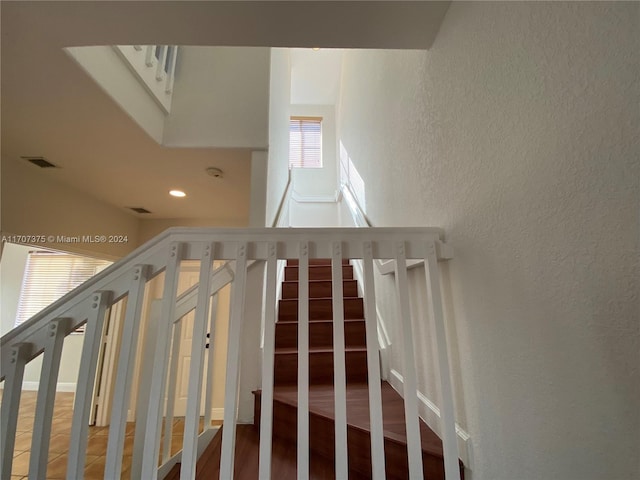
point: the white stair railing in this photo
(155, 68)
(239, 248)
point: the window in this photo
(305, 142)
(50, 275)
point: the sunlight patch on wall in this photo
(350, 177)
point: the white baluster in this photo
(233, 365)
(11, 405)
(171, 388)
(160, 73)
(124, 375)
(100, 302)
(41, 436)
(268, 354)
(448, 422)
(157, 392)
(208, 395)
(411, 416)
(303, 362)
(144, 385)
(373, 366)
(171, 76)
(198, 341)
(150, 55)
(339, 364)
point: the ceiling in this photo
(315, 76)
(51, 108)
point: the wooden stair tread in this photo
(321, 402)
(247, 457)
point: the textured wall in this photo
(518, 133)
(278, 168)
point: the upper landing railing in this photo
(155, 67)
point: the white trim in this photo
(204, 439)
(217, 413)
(430, 413)
(60, 386)
(315, 198)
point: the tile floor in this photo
(59, 445)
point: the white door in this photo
(189, 276)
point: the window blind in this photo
(50, 275)
(305, 142)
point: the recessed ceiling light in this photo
(177, 193)
(315, 49)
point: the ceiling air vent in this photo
(139, 210)
(40, 162)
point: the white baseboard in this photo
(430, 413)
(217, 413)
(60, 387)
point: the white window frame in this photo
(48, 276)
(305, 148)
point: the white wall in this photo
(319, 182)
(257, 210)
(151, 227)
(220, 98)
(108, 70)
(35, 203)
(313, 214)
(518, 133)
(12, 267)
(315, 76)
(278, 167)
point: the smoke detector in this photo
(215, 172)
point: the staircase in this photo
(327, 430)
(321, 395)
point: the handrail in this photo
(385, 267)
(82, 293)
(239, 248)
(283, 201)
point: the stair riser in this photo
(294, 262)
(320, 334)
(320, 309)
(319, 289)
(320, 368)
(321, 272)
